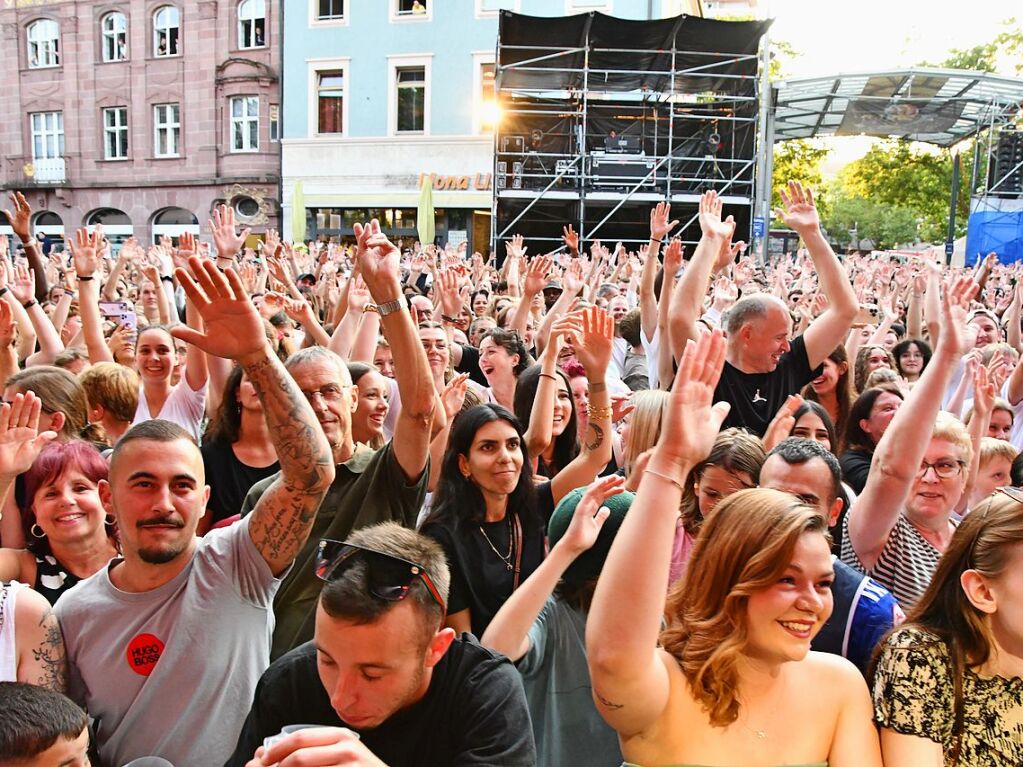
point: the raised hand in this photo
(453, 396)
(593, 341)
(379, 262)
(227, 242)
(187, 248)
(673, 256)
(590, 514)
(955, 337)
(781, 426)
(20, 218)
(85, 249)
(659, 223)
(536, 274)
(570, 238)
(358, 294)
(234, 329)
(985, 389)
(692, 421)
(20, 439)
(710, 217)
(23, 283)
(514, 246)
(799, 211)
(8, 327)
(298, 310)
(572, 281)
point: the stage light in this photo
(490, 113)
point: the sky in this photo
(866, 35)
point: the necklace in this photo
(503, 558)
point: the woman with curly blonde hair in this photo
(732, 680)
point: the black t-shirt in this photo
(471, 364)
(480, 578)
(474, 712)
(756, 397)
(229, 479)
(855, 468)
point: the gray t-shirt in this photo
(171, 672)
(566, 725)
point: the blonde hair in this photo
(1000, 404)
(881, 376)
(951, 429)
(743, 549)
(114, 387)
(996, 448)
(644, 425)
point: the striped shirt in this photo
(906, 563)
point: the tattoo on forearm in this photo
(607, 703)
(594, 436)
(50, 655)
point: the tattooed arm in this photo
(40, 644)
(592, 344)
(284, 515)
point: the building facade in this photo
(141, 114)
(379, 94)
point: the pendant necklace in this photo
(506, 559)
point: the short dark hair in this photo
(629, 326)
(855, 436)
(153, 430)
(512, 343)
(33, 718)
(798, 450)
(347, 596)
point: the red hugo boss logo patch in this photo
(143, 653)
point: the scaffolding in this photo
(604, 117)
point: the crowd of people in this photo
(375, 503)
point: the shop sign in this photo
(480, 182)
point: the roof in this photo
(938, 106)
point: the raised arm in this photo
(23, 287)
(829, 329)
(508, 632)
(21, 223)
(284, 514)
(379, 264)
(631, 682)
(540, 429)
(898, 454)
(85, 250)
(536, 277)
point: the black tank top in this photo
(52, 579)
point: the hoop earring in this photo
(40, 535)
(109, 520)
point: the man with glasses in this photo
(370, 486)
(166, 643)
(383, 682)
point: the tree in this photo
(884, 225)
(797, 160)
(1003, 55)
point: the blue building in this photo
(377, 93)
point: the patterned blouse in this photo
(914, 694)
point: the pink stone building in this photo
(140, 114)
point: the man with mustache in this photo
(167, 642)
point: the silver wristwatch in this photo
(390, 307)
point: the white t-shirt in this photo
(183, 407)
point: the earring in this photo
(109, 520)
(40, 534)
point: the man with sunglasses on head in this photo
(384, 682)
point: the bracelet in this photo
(596, 386)
(82, 278)
(654, 239)
(449, 319)
(370, 308)
(548, 375)
(599, 413)
(672, 480)
(3, 290)
(166, 278)
(30, 303)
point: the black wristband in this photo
(166, 278)
(3, 290)
(30, 303)
(84, 278)
(654, 239)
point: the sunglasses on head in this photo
(390, 578)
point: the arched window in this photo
(173, 222)
(166, 31)
(43, 43)
(115, 36)
(251, 24)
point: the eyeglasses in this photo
(944, 469)
(329, 393)
(390, 577)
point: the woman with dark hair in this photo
(869, 417)
(911, 358)
(833, 389)
(948, 684)
(868, 359)
(372, 405)
(812, 421)
(237, 450)
(732, 671)
(69, 534)
(503, 357)
(487, 513)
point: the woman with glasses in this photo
(911, 358)
(724, 682)
(948, 684)
(488, 515)
(901, 523)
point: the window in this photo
(115, 37)
(43, 43)
(166, 26)
(330, 96)
(251, 24)
(411, 10)
(245, 124)
(47, 135)
(167, 130)
(492, 7)
(330, 10)
(489, 111)
(115, 133)
(246, 207)
(411, 106)
(275, 122)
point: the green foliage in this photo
(886, 226)
(797, 160)
(1003, 55)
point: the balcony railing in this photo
(51, 170)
